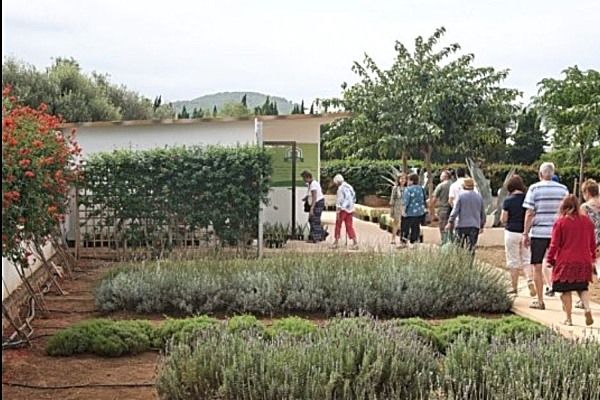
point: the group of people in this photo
(549, 236)
(553, 239)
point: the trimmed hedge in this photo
(366, 175)
(359, 358)
(162, 197)
(419, 283)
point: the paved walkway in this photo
(372, 238)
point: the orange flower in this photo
(29, 174)
(37, 144)
(25, 163)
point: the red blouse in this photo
(572, 249)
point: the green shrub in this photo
(422, 283)
(349, 359)
(102, 337)
(163, 197)
(547, 367)
(245, 323)
(293, 326)
(366, 175)
(181, 330)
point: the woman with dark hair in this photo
(413, 202)
(571, 255)
(396, 207)
(518, 257)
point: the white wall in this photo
(93, 139)
(11, 279)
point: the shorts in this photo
(538, 249)
(517, 255)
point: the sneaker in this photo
(353, 247)
(579, 304)
(532, 291)
(549, 292)
(334, 246)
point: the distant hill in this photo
(218, 99)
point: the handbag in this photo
(306, 206)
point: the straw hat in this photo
(469, 184)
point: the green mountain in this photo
(253, 99)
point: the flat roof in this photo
(173, 121)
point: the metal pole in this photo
(258, 130)
(294, 158)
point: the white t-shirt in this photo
(456, 189)
(315, 187)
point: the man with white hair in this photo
(542, 202)
(440, 200)
(345, 208)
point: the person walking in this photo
(589, 190)
(571, 255)
(413, 201)
(396, 206)
(344, 205)
(316, 200)
(542, 202)
(441, 203)
(467, 216)
(518, 257)
(456, 187)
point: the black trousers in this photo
(411, 228)
(467, 237)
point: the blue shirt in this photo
(413, 200)
(513, 205)
(469, 211)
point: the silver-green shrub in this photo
(420, 283)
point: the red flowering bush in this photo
(39, 164)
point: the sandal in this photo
(531, 287)
(588, 318)
(536, 305)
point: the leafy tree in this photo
(234, 110)
(428, 99)
(528, 139)
(184, 114)
(268, 108)
(197, 113)
(570, 108)
(75, 96)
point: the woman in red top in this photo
(571, 254)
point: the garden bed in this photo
(419, 283)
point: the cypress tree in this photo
(214, 111)
(244, 101)
(302, 107)
(312, 109)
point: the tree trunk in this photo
(404, 162)
(581, 168)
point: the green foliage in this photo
(253, 99)
(76, 96)
(245, 323)
(430, 98)
(184, 114)
(181, 330)
(234, 110)
(152, 194)
(528, 140)
(366, 175)
(293, 326)
(349, 359)
(421, 283)
(571, 108)
(546, 367)
(269, 107)
(103, 337)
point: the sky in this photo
(301, 49)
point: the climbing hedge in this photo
(156, 198)
(366, 175)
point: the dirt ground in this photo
(93, 377)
